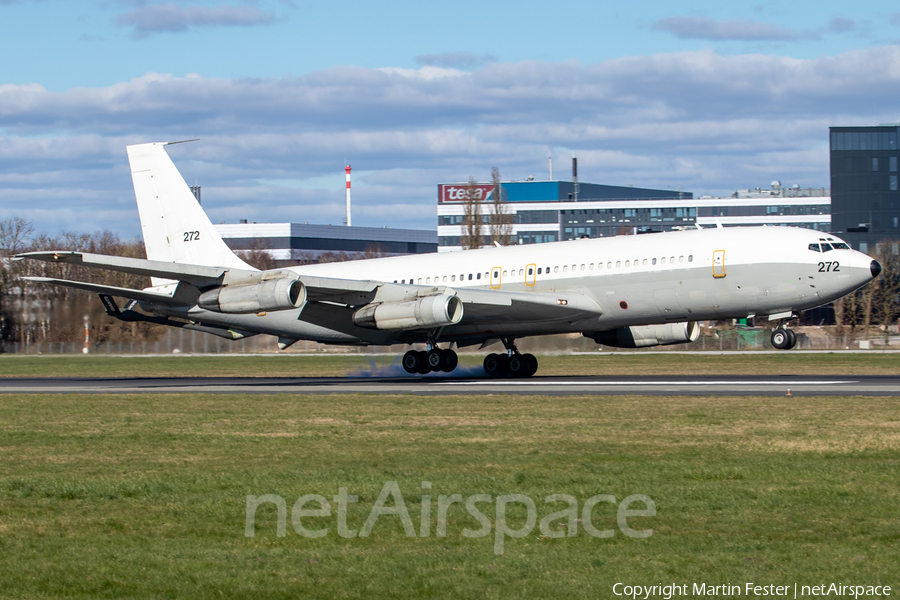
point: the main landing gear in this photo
(783, 338)
(511, 364)
(426, 361)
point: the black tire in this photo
(411, 362)
(780, 338)
(518, 366)
(451, 360)
(435, 359)
(424, 369)
(793, 341)
(532, 364)
(493, 365)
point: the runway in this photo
(726, 385)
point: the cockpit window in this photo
(814, 247)
(826, 247)
(841, 246)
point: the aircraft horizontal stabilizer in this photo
(196, 275)
(110, 290)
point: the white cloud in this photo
(700, 121)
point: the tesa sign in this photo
(457, 192)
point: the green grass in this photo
(108, 496)
(298, 365)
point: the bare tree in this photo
(887, 301)
(501, 221)
(473, 222)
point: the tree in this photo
(473, 223)
(887, 301)
(501, 221)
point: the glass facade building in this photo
(865, 203)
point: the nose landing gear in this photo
(783, 338)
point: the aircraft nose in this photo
(875, 268)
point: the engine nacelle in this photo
(648, 335)
(272, 295)
(431, 311)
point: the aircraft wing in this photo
(497, 305)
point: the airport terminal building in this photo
(548, 211)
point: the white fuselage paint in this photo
(634, 280)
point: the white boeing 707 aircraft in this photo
(627, 291)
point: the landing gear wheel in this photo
(424, 367)
(793, 341)
(450, 361)
(495, 365)
(412, 362)
(532, 363)
(781, 338)
(518, 366)
(435, 359)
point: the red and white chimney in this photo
(349, 222)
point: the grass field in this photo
(787, 363)
(110, 496)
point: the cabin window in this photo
(645, 262)
(681, 259)
(445, 279)
(814, 247)
(591, 267)
(690, 258)
(582, 267)
(530, 270)
(504, 273)
(452, 278)
(428, 280)
(574, 267)
(521, 272)
(496, 274)
(618, 264)
(671, 260)
(654, 261)
(539, 270)
(662, 261)
(470, 277)
(635, 262)
(420, 281)
(627, 263)
(556, 269)
(478, 277)
(609, 265)
(565, 268)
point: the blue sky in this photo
(702, 96)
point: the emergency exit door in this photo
(719, 264)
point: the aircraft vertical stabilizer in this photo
(173, 224)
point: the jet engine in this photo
(648, 335)
(275, 294)
(431, 311)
